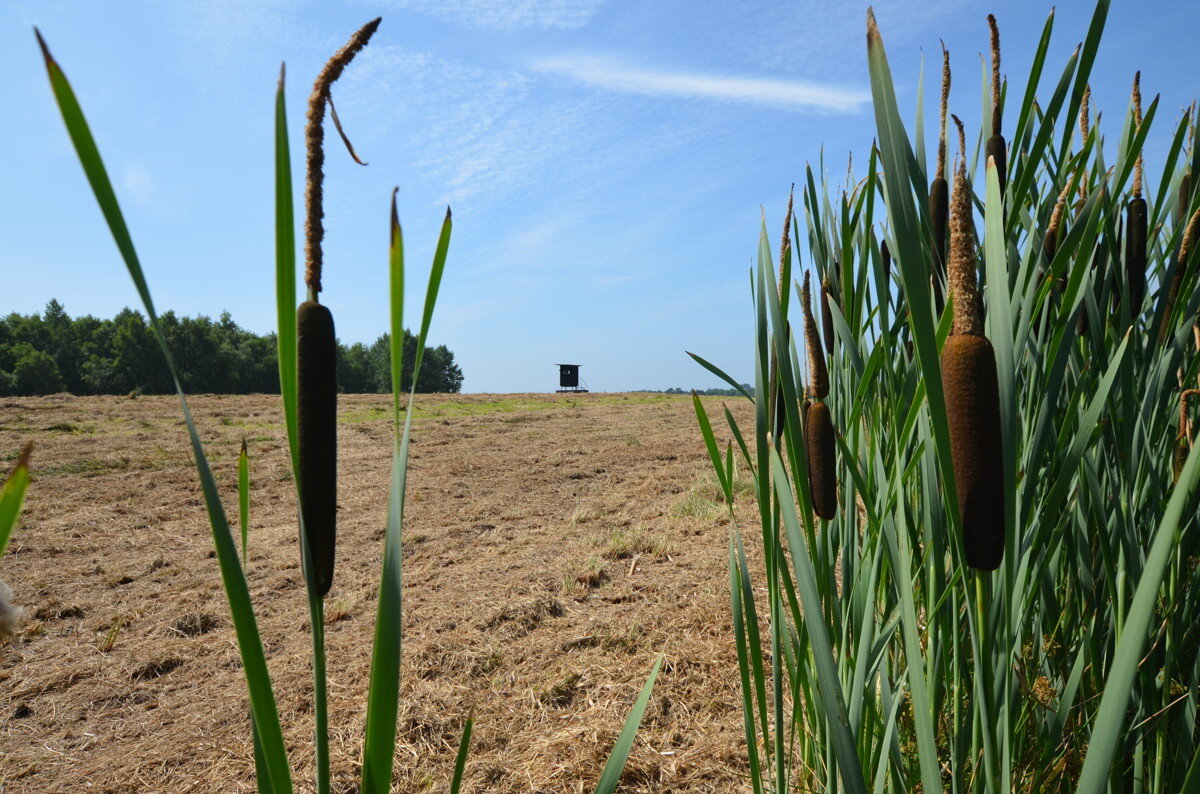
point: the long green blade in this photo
(262, 697)
(13, 496)
(620, 752)
(379, 745)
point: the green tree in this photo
(36, 373)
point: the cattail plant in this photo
(776, 407)
(1183, 200)
(996, 149)
(1074, 669)
(972, 392)
(1181, 266)
(827, 297)
(818, 422)
(939, 195)
(316, 342)
(1183, 438)
(1136, 218)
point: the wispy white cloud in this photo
(508, 14)
(139, 183)
(614, 75)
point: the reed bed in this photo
(1006, 599)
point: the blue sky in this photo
(605, 161)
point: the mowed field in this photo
(555, 545)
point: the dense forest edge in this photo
(52, 352)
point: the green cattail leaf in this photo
(285, 279)
(243, 471)
(1025, 113)
(743, 606)
(13, 496)
(611, 775)
(902, 214)
(720, 373)
(460, 760)
(262, 697)
(714, 453)
(383, 697)
(828, 683)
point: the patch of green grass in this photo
(695, 505)
(625, 543)
(585, 575)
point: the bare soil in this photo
(555, 545)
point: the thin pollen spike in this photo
(1136, 98)
(314, 141)
(941, 155)
(995, 41)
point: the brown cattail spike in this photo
(775, 397)
(1084, 129)
(939, 196)
(945, 108)
(1184, 201)
(1050, 241)
(964, 288)
(995, 147)
(818, 375)
(314, 140)
(316, 389)
(1183, 439)
(1136, 99)
(972, 393)
(1190, 235)
(994, 30)
(819, 445)
(827, 298)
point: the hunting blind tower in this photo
(568, 379)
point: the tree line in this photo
(52, 352)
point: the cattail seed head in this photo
(976, 449)
(968, 318)
(818, 375)
(827, 297)
(1050, 241)
(820, 445)
(945, 108)
(316, 388)
(1135, 252)
(972, 392)
(1183, 443)
(995, 147)
(1184, 201)
(1188, 243)
(1179, 456)
(1136, 99)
